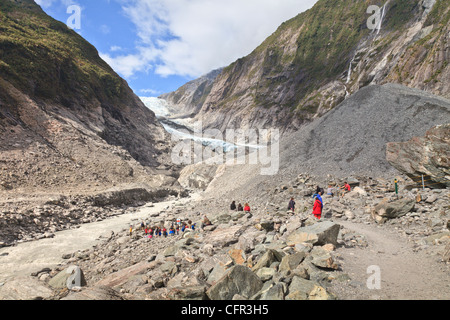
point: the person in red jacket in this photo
(247, 208)
(317, 209)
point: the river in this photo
(29, 257)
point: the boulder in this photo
(238, 280)
(391, 210)
(267, 259)
(319, 233)
(322, 258)
(122, 276)
(276, 292)
(427, 156)
(98, 293)
(238, 256)
(266, 274)
(224, 236)
(70, 277)
(302, 289)
(188, 293)
(25, 288)
(292, 261)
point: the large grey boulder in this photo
(70, 277)
(317, 234)
(427, 156)
(238, 280)
(391, 210)
(267, 259)
(302, 289)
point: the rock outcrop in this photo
(67, 120)
(425, 157)
(319, 58)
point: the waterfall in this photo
(349, 74)
(381, 19)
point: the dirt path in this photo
(404, 274)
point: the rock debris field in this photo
(370, 244)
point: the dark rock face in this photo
(283, 84)
(427, 156)
(67, 120)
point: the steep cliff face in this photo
(316, 60)
(67, 120)
(190, 98)
(424, 157)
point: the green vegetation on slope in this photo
(47, 60)
(327, 36)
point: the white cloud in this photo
(193, 37)
(44, 3)
(128, 65)
(48, 3)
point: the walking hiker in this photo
(317, 208)
(291, 205)
(319, 196)
(318, 190)
(150, 233)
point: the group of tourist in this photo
(239, 207)
(174, 229)
(318, 203)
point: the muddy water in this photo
(29, 257)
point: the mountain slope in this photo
(67, 120)
(349, 141)
(315, 60)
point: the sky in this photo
(159, 45)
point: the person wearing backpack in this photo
(291, 205)
(317, 208)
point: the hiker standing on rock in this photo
(206, 222)
(317, 209)
(345, 188)
(292, 205)
(330, 190)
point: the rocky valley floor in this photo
(269, 254)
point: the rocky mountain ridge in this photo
(68, 122)
(316, 60)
